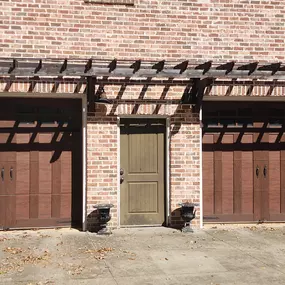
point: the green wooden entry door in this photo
(142, 172)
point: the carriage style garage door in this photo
(40, 163)
(243, 162)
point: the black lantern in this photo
(101, 97)
(104, 217)
(188, 214)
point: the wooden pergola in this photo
(139, 68)
(198, 74)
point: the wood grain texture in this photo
(142, 159)
(37, 156)
(248, 164)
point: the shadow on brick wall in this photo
(93, 224)
(178, 113)
(176, 221)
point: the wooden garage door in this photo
(142, 172)
(40, 163)
(243, 162)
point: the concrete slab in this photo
(133, 264)
(98, 281)
(217, 255)
(179, 262)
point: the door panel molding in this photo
(142, 158)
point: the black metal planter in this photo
(188, 214)
(104, 217)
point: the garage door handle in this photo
(265, 171)
(257, 171)
(2, 174)
(11, 173)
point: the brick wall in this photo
(103, 145)
(178, 29)
(172, 30)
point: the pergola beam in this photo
(125, 72)
(140, 69)
(243, 99)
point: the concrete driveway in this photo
(215, 255)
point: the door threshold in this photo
(4, 229)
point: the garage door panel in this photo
(56, 177)
(23, 173)
(66, 172)
(218, 182)
(208, 139)
(277, 217)
(34, 172)
(7, 123)
(247, 203)
(245, 145)
(10, 210)
(247, 138)
(4, 138)
(247, 183)
(45, 173)
(3, 203)
(44, 206)
(11, 176)
(282, 182)
(237, 182)
(208, 204)
(257, 200)
(43, 223)
(37, 162)
(45, 138)
(3, 189)
(208, 182)
(34, 206)
(226, 139)
(65, 206)
(274, 138)
(23, 138)
(231, 218)
(9, 155)
(227, 180)
(22, 207)
(55, 205)
(274, 182)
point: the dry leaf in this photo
(13, 250)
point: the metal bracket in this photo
(190, 97)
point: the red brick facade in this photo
(178, 29)
(153, 30)
(103, 147)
